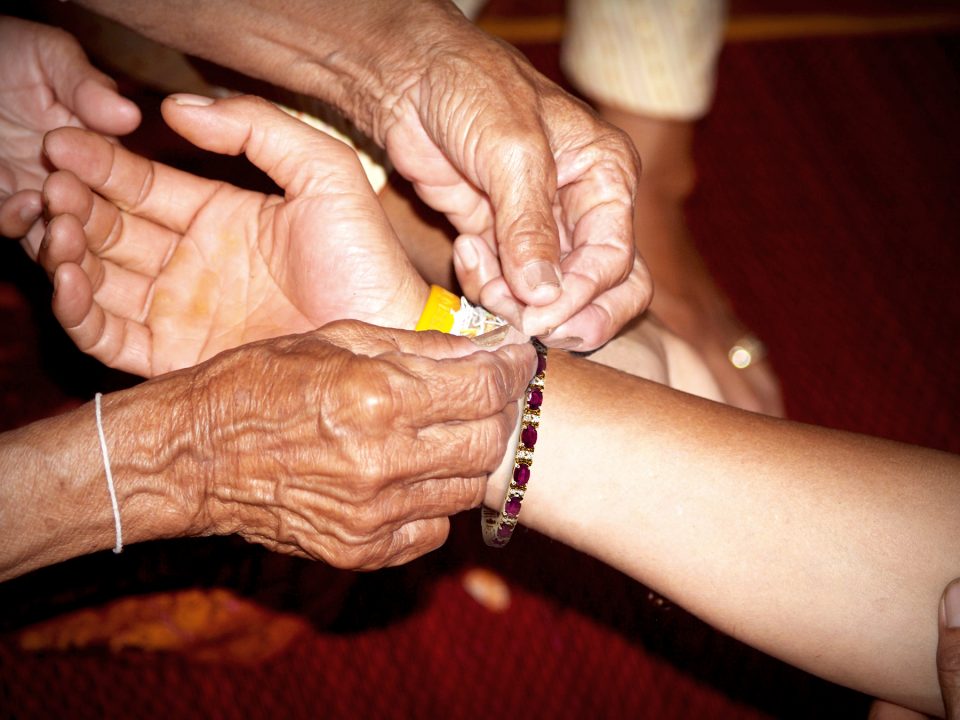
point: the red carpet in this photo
(827, 210)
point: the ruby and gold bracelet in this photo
(447, 313)
(498, 527)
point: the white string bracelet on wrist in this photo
(106, 464)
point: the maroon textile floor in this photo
(828, 211)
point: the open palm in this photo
(157, 269)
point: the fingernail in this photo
(467, 255)
(567, 343)
(492, 338)
(541, 273)
(191, 100)
(532, 329)
(951, 604)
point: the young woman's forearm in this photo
(829, 550)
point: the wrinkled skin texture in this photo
(534, 174)
(486, 139)
(156, 269)
(46, 82)
(351, 444)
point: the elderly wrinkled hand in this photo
(46, 82)
(525, 173)
(351, 444)
(510, 158)
(156, 269)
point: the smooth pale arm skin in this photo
(827, 549)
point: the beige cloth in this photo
(652, 57)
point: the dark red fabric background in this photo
(827, 209)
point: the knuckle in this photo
(337, 332)
(640, 286)
(347, 557)
(366, 524)
(619, 147)
(491, 389)
(454, 494)
(67, 42)
(362, 397)
(433, 534)
(246, 103)
(353, 549)
(416, 539)
(494, 437)
(480, 453)
(473, 489)
(367, 482)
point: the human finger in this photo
(561, 324)
(118, 291)
(468, 388)
(297, 157)
(151, 190)
(415, 539)
(948, 650)
(481, 278)
(371, 340)
(598, 321)
(127, 240)
(100, 107)
(63, 241)
(521, 186)
(88, 93)
(19, 212)
(456, 449)
(120, 343)
(407, 540)
(601, 259)
(391, 547)
(72, 298)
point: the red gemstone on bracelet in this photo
(541, 363)
(505, 531)
(529, 436)
(512, 506)
(536, 399)
(521, 475)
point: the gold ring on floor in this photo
(746, 351)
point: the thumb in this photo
(528, 241)
(81, 88)
(101, 108)
(297, 157)
(948, 650)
